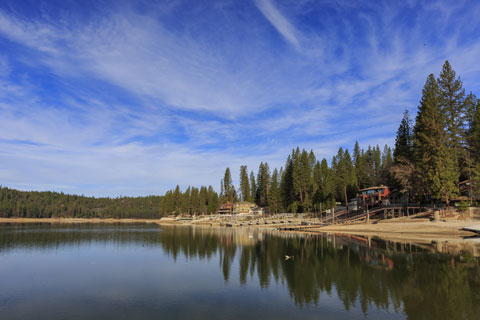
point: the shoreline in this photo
(395, 229)
(83, 220)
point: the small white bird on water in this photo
(288, 257)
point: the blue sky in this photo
(112, 98)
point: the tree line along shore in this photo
(433, 153)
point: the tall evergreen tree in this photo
(404, 140)
(185, 202)
(317, 182)
(274, 193)
(302, 179)
(228, 188)
(203, 200)
(263, 184)
(212, 200)
(474, 134)
(435, 165)
(244, 184)
(387, 163)
(177, 199)
(328, 187)
(253, 186)
(286, 184)
(377, 162)
(452, 97)
(474, 148)
(360, 162)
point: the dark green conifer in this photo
(404, 140)
(435, 164)
(244, 184)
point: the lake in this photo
(146, 271)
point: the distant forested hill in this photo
(32, 204)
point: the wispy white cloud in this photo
(279, 22)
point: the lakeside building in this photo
(226, 208)
(373, 196)
(244, 207)
(240, 208)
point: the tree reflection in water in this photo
(414, 279)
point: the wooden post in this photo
(346, 200)
(333, 214)
(321, 214)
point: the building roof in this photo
(245, 203)
(373, 188)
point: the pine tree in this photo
(212, 200)
(302, 179)
(274, 193)
(228, 188)
(359, 160)
(177, 199)
(474, 150)
(377, 162)
(350, 178)
(194, 201)
(452, 97)
(400, 175)
(317, 183)
(286, 184)
(253, 186)
(387, 163)
(404, 139)
(263, 182)
(203, 200)
(474, 134)
(185, 202)
(328, 186)
(434, 163)
(244, 184)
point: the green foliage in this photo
(274, 201)
(33, 204)
(463, 206)
(245, 184)
(474, 134)
(253, 186)
(476, 182)
(435, 164)
(228, 192)
(404, 139)
(263, 184)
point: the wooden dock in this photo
(475, 228)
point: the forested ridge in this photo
(431, 156)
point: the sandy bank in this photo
(399, 230)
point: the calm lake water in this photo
(89, 271)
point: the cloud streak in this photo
(279, 22)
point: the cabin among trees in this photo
(226, 208)
(239, 208)
(244, 207)
(373, 196)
